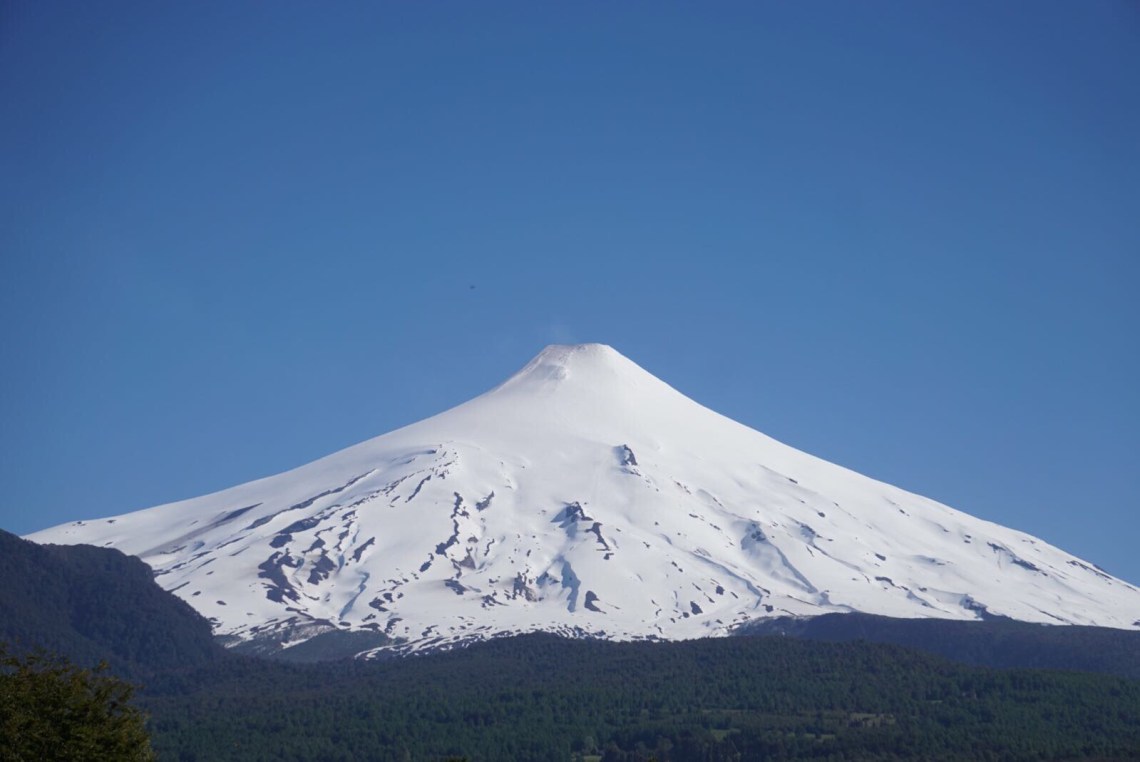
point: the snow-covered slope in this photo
(584, 495)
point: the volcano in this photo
(586, 497)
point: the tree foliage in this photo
(92, 604)
(51, 709)
(541, 697)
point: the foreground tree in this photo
(52, 709)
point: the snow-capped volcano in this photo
(584, 495)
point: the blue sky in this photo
(905, 237)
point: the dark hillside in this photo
(997, 642)
(91, 604)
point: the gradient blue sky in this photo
(902, 236)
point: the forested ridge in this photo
(542, 697)
(994, 642)
(96, 604)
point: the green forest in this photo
(541, 697)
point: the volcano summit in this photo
(585, 496)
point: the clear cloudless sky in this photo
(905, 237)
